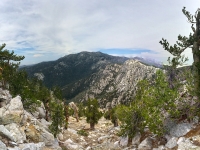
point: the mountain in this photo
(150, 62)
(110, 79)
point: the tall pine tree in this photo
(193, 42)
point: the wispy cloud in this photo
(63, 26)
(38, 55)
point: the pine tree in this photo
(57, 117)
(92, 112)
(111, 115)
(193, 42)
(8, 65)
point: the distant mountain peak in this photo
(105, 77)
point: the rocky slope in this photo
(21, 130)
(110, 79)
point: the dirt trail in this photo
(104, 132)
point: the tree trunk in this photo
(66, 116)
(92, 126)
(116, 123)
(47, 111)
(196, 57)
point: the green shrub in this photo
(82, 132)
(152, 100)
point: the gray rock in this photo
(161, 147)
(146, 144)
(72, 131)
(32, 146)
(172, 142)
(5, 97)
(72, 145)
(35, 114)
(41, 111)
(5, 133)
(102, 138)
(12, 112)
(60, 136)
(2, 146)
(17, 132)
(185, 144)
(15, 148)
(116, 145)
(39, 134)
(123, 141)
(136, 139)
(180, 129)
(55, 145)
(36, 131)
(88, 148)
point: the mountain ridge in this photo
(93, 74)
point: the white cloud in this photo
(38, 55)
(64, 26)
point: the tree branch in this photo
(188, 15)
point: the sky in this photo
(45, 30)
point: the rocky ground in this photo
(103, 137)
(182, 136)
(21, 130)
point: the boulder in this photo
(55, 146)
(40, 112)
(172, 142)
(5, 97)
(161, 147)
(136, 139)
(88, 148)
(102, 138)
(39, 134)
(2, 146)
(123, 141)
(5, 133)
(180, 129)
(32, 146)
(72, 131)
(12, 112)
(17, 132)
(71, 145)
(146, 144)
(60, 136)
(116, 145)
(186, 144)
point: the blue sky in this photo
(48, 29)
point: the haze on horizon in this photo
(47, 30)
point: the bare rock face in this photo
(12, 112)
(36, 131)
(17, 132)
(69, 144)
(172, 142)
(40, 112)
(180, 129)
(2, 146)
(136, 139)
(186, 144)
(19, 126)
(32, 146)
(123, 141)
(115, 84)
(5, 97)
(146, 144)
(5, 133)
